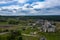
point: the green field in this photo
(19, 27)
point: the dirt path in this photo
(29, 35)
(3, 33)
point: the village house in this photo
(48, 27)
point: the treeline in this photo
(54, 18)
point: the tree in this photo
(12, 21)
(14, 35)
(20, 38)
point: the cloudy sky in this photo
(29, 7)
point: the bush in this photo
(14, 35)
(13, 22)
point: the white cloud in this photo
(38, 5)
(19, 1)
(46, 4)
(31, 11)
(2, 2)
(22, 1)
(11, 7)
(51, 3)
(26, 11)
(6, 1)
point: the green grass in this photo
(3, 23)
(4, 36)
(49, 36)
(29, 38)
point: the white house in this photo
(48, 27)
